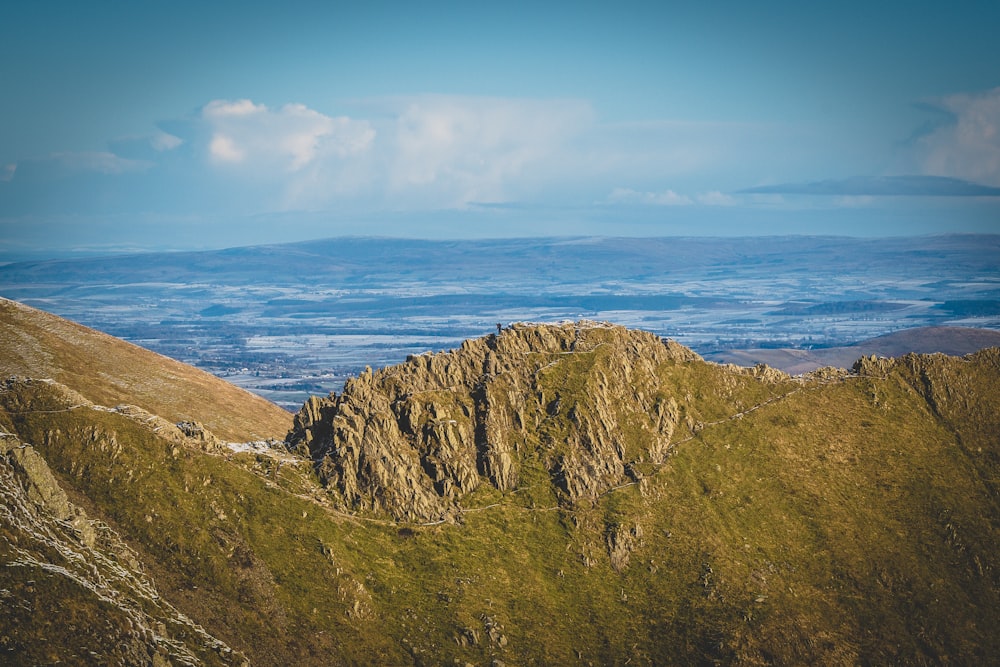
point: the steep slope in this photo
(73, 591)
(110, 371)
(742, 515)
(565, 494)
(225, 538)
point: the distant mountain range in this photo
(956, 341)
(543, 494)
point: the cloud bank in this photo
(424, 152)
(414, 153)
(884, 186)
(661, 198)
(290, 138)
(968, 147)
(459, 150)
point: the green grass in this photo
(841, 522)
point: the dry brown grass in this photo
(109, 371)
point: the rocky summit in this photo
(576, 493)
(583, 403)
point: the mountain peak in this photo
(532, 401)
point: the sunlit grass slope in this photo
(110, 371)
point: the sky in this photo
(153, 125)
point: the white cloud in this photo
(716, 198)
(225, 108)
(426, 152)
(7, 173)
(223, 149)
(662, 198)
(670, 198)
(968, 148)
(290, 138)
(451, 151)
(162, 141)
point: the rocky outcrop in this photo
(584, 399)
(72, 590)
(872, 366)
(198, 434)
(30, 395)
(622, 541)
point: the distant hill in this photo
(954, 341)
(109, 371)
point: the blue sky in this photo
(177, 125)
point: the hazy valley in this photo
(288, 321)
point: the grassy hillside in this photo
(109, 371)
(73, 592)
(837, 519)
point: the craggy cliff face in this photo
(589, 404)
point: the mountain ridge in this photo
(842, 517)
(439, 423)
(953, 341)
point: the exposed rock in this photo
(411, 440)
(200, 435)
(40, 484)
(622, 541)
(872, 366)
(52, 556)
(768, 374)
(827, 374)
(494, 631)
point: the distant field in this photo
(288, 321)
